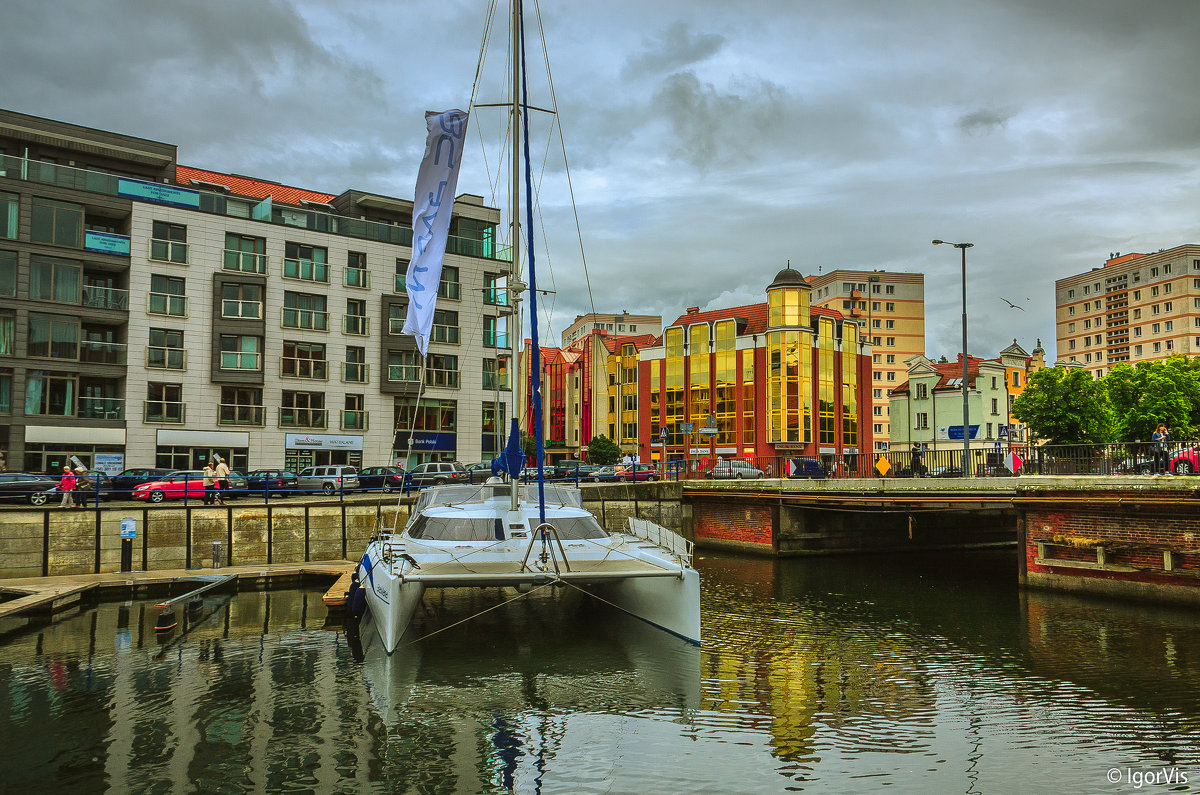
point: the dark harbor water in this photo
(907, 673)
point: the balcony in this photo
(445, 334)
(168, 304)
(495, 339)
(102, 352)
(294, 367)
(104, 298)
(355, 372)
(357, 277)
(493, 382)
(237, 360)
(94, 408)
(395, 326)
(354, 420)
(290, 417)
(169, 251)
(306, 270)
(358, 325)
(174, 411)
(405, 373)
(444, 378)
(304, 318)
(239, 414)
(495, 296)
(245, 310)
(244, 261)
(161, 358)
(450, 290)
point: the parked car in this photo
(736, 469)
(327, 479)
(96, 481)
(603, 474)
(384, 478)
(570, 469)
(124, 483)
(804, 468)
(34, 489)
(186, 481)
(946, 472)
(1186, 462)
(276, 482)
(636, 472)
(1135, 465)
(436, 473)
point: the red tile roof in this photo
(952, 370)
(639, 341)
(756, 316)
(250, 187)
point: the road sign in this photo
(882, 467)
(662, 433)
(1013, 462)
(686, 427)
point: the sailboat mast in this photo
(515, 200)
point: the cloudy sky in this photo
(708, 142)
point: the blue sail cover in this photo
(512, 460)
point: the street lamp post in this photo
(966, 426)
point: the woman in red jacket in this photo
(67, 487)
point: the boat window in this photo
(454, 528)
(576, 527)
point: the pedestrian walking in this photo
(67, 486)
(221, 472)
(1160, 439)
(210, 489)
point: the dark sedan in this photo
(276, 482)
(386, 478)
(124, 483)
(34, 489)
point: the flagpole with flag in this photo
(437, 181)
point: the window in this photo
(891, 341)
(1087, 324)
(1016, 379)
(495, 332)
(875, 304)
(354, 369)
(168, 242)
(922, 391)
(403, 366)
(241, 352)
(1167, 288)
(302, 410)
(6, 378)
(355, 320)
(1070, 293)
(891, 324)
(1170, 345)
(877, 393)
(164, 402)
(1071, 344)
(49, 394)
(1137, 350)
(1137, 314)
(876, 340)
(445, 327)
(55, 280)
(1167, 269)
(8, 332)
(1154, 271)
(242, 301)
(354, 415)
(304, 310)
(1070, 328)
(890, 289)
(401, 272)
(53, 337)
(496, 291)
(891, 376)
(995, 405)
(890, 307)
(9, 206)
(356, 270)
(167, 296)
(877, 376)
(166, 351)
(1155, 328)
(309, 263)
(245, 253)
(495, 373)
(303, 360)
(1137, 295)
(989, 431)
(1137, 331)
(60, 223)
(441, 370)
(1167, 307)
(876, 358)
(1071, 311)
(240, 406)
(1154, 309)
(922, 419)
(878, 429)
(1154, 290)
(449, 286)
(494, 427)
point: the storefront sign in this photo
(110, 464)
(425, 440)
(159, 194)
(320, 441)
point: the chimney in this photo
(692, 310)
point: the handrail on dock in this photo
(218, 581)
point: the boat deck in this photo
(511, 570)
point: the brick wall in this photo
(732, 523)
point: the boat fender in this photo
(166, 622)
(356, 599)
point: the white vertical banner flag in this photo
(437, 181)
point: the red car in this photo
(172, 486)
(636, 472)
(1186, 462)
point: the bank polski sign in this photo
(321, 441)
(952, 432)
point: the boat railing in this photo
(657, 534)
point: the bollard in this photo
(216, 555)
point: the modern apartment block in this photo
(153, 314)
(890, 309)
(617, 325)
(1135, 308)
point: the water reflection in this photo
(916, 672)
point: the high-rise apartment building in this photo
(1135, 308)
(617, 325)
(153, 314)
(890, 309)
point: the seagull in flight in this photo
(1010, 303)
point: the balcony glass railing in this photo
(355, 372)
(357, 277)
(492, 382)
(295, 367)
(306, 270)
(104, 298)
(404, 372)
(168, 304)
(354, 420)
(451, 290)
(446, 378)
(246, 310)
(395, 326)
(239, 414)
(164, 411)
(305, 318)
(162, 358)
(495, 339)
(102, 352)
(495, 296)
(301, 418)
(169, 251)
(359, 325)
(94, 408)
(244, 261)
(236, 360)
(446, 334)
(219, 204)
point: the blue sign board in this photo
(159, 194)
(425, 441)
(955, 432)
(128, 529)
(106, 243)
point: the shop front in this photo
(422, 446)
(175, 449)
(303, 450)
(48, 448)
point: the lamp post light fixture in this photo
(966, 426)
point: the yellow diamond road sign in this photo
(882, 467)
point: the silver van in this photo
(327, 479)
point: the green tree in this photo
(601, 451)
(1167, 390)
(528, 445)
(1065, 406)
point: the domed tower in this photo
(789, 352)
(788, 299)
